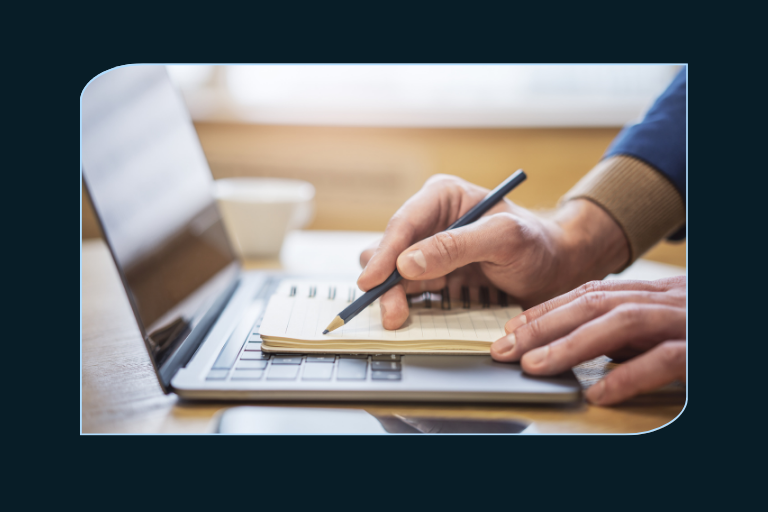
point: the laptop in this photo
(198, 311)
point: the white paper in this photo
(293, 313)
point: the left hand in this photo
(641, 320)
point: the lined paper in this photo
(301, 310)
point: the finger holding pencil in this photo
(414, 263)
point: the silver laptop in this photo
(198, 311)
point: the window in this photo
(423, 95)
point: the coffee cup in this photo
(259, 212)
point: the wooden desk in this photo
(120, 392)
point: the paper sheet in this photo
(301, 310)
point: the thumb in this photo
(483, 241)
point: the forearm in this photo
(613, 215)
(642, 202)
(592, 244)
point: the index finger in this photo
(440, 201)
(610, 285)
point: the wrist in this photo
(591, 242)
(644, 203)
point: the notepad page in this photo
(301, 310)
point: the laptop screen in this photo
(151, 188)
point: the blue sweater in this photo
(660, 138)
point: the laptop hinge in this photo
(188, 347)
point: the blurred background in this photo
(367, 137)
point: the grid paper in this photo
(301, 310)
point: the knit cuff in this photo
(640, 199)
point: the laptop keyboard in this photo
(253, 364)
(250, 363)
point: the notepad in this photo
(299, 311)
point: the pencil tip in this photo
(337, 322)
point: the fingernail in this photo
(596, 392)
(505, 345)
(516, 323)
(413, 264)
(537, 356)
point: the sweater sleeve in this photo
(641, 179)
(659, 140)
(643, 202)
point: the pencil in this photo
(477, 211)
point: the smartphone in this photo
(318, 420)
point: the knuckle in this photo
(545, 307)
(590, 287)
(506, 226)
(506, 238)
(400, 221)
(672, 354)
(442, 181)
(504, 220)
(448, 246)
(533, 330)
(594, 301)
(631, 314)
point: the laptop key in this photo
(252, 347)
(381, 375)
(217, 375)
(386, 357)
(283, 372)
(393, 366)
(254, 356)
(248, 375)
(283, 359)
(352, 369)
(321, 359)
(228, 355)
(251, 365)
(317, 371)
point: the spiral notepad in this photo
(299, 311)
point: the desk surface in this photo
(120, 392)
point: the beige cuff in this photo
(640, 199)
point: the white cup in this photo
(259, 212)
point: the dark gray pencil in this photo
(477, 211)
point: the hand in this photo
(641, 320)
(530, 257)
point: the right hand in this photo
(529, 257)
